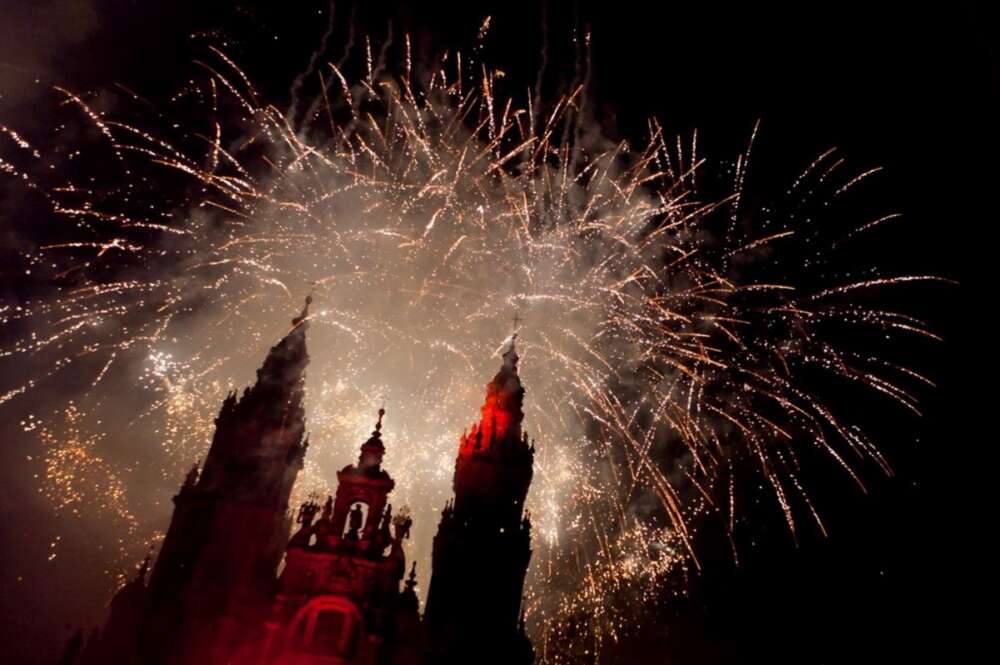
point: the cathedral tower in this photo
(215, 573)
(339, 598)
(483, 544)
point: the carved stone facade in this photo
(231, 586)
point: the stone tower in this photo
(215, 572)
(483, 544)
(339, 599)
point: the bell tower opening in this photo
(357, 520)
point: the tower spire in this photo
(502, 413)
(272, 408)
(281, 379)
(373, 450)
(494, 462)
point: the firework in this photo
(664, 345)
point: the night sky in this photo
(910, 88)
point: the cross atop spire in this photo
(517, 320)
(305, 311)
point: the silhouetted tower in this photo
(215, 574)
(483, 543)
(339, 599)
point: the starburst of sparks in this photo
(664, 344)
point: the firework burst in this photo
(664, 346)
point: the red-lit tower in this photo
(483, 544)
(215, 574)
(339, 600)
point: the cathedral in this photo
(243, 579)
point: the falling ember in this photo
(663, 342)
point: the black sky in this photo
(902, 85)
